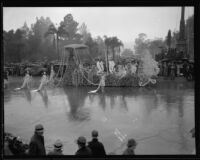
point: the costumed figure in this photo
(27, 81)
(121, 71)
(100, 67)
(149, 69)
(133, 68)
(44, 81)
(101, 84)
(111, 66)
(52, 75)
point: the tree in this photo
(127, 53)
(101, 47)
(84, 32)
(141, 43)
(113, 43)
(40, 46)
(71, 27)
(93, 46)
(13, 45)
(155, 46)
(169, 39)
(190, 36)
(8, 45)
(58, 33)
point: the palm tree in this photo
(112, 43)
(115, 43)
(58, 34)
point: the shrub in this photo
(128, 81)
(111, 80)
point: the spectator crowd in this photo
(36, 147)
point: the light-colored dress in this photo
(100, 67)
(111, 66)
(27, 81)
(44, 82)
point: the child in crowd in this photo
(58, 148)
(131, 147)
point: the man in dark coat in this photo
(96, 146)
(36, 146)
(83, 149)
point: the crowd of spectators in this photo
(36, 147)
(173, 69)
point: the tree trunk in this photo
(57, 40)
(113, 52)
(107, 65)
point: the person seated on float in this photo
(100, 66)
(27, 80)
(121, 71)
(111, 66)
(133, 68)
(44, 81)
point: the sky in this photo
(124, 22)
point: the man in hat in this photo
(131, 147)
(96, 146)
(36, 146)
(83, 149)
(57, 148)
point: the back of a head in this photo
(131, 143)
(94, 134)
(58, 145)
(39, 129)
(81, 141)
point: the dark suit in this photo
(97, 148)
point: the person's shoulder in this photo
(101, 143)
(89, 143)
(89, 150)
(128, 151)
(32, 137)
(50, 153)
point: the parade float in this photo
(77, 68)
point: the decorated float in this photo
(77, 68)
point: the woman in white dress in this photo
(52, 75)
(44, 81)
(102, 83)
(27, 81)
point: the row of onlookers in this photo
(172, 70)
(36, 147)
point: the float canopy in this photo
(80, 51)
(75, 46)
